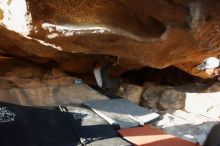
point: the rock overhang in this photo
(75, 34)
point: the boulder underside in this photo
(74, 34)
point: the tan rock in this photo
(131, 92)
(57, 72)
(1, 14)
(76, 94)
(28, 84)
(50, 95)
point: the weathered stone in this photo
(27, 84)
(147, 85)
(152, 95)
(172, 99)
(57, 73)
(213, 88)
(131, 92)
(75, 34)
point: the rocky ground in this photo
(187, 125)
(187, 111)
(28, 84)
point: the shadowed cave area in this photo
(169, 76)
(51, 52)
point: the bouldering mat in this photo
(149, 136)
(29, 126)
(91, 128)
(122, 112)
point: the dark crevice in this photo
(170, 75)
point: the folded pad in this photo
(148, 136)
(27, 126)
(122, 112)
(91, 128)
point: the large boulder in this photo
(172, 99)
(28, 84)
(166, 97)
(74, 34)
(152, 95)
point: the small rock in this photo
(151, 95)
(172, 99)
(131, 92)
(147, 85)
(213, 88)
(57, 72)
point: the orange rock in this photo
(75, 34)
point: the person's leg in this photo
(213, 138)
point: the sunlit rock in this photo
(75, 34)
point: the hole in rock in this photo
(170, 75)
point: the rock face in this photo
(164, 98)
(76, 33)
(175, 97)
(172, 99)
(152, 95)
(27, 84)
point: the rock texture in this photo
(76, 33)
(166, 97)
(196, 98)
(131, 92)
(27, 84)
(151, 96)
(172, 99)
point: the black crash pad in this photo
(28, 126)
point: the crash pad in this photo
(91, 128)
(149, 136)
(30, 126)
(122, 112)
